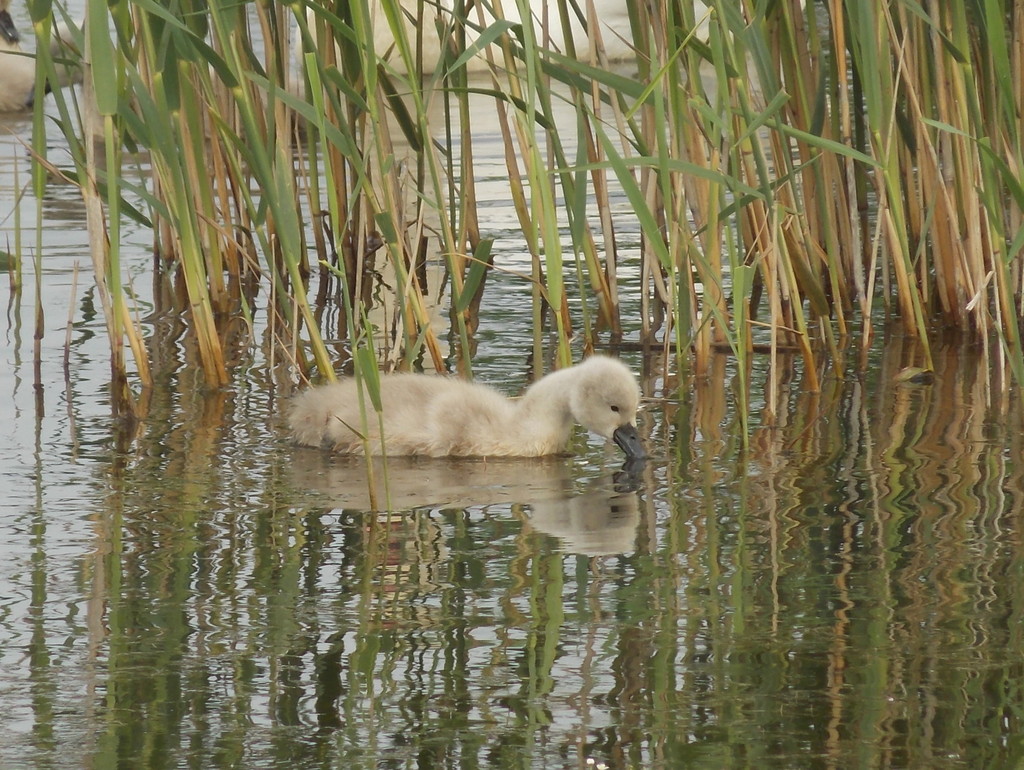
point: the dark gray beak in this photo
(7, 29)
(628, 440)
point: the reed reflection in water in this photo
(847, 593)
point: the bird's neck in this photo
(544, 409)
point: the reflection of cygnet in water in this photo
(429, 482)
(599, 522)
(602, 519)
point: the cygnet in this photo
(437, 416)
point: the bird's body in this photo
(18, 68)
(438, 416)
(611, 16)
(17, 71)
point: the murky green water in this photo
(846, 592)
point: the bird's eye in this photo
(615, 409)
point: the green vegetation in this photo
(845, 155)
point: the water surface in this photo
(194, 591)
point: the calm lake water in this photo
(846, 591)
